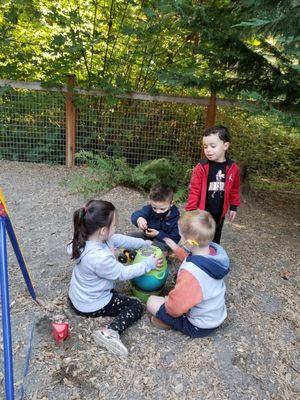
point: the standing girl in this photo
(215, 182)
(91, 292)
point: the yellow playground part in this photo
(2, 200)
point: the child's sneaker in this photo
(110, 339)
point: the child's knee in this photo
(154, 303)
(149, 304)
(138, 307)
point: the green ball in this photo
(156, 278)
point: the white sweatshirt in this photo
(97, 269)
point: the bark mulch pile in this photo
(253, 355)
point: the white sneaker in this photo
(110, 339)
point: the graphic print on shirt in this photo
(218, 185)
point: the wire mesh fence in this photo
(138, 130)
(33, 127)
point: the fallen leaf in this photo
(286, 274)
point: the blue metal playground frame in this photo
(7, 227)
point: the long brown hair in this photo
(87, 220)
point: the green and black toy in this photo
(127, 256)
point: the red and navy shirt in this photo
(199, 193)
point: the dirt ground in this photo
(253, 355)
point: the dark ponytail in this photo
(87, 220)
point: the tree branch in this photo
(110, 21)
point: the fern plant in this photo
(106, 172)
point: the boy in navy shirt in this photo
(159, 219)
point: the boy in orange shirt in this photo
(196, 306)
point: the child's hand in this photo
(148, 243)
(158, 262)
(231, 215)
(173, 246)
(179, 251)
(151, 233)
(142, 223)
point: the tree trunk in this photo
(210, 119)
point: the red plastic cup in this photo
(60, 331)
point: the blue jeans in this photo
(182, 324)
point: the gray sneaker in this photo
(110, 339)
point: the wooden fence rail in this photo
(69, 90)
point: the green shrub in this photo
(269, 149)
(103, 173)
(31, 126)
(106, 172)
(153, 171)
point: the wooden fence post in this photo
(70, 122)
(210, 119)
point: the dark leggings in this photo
(126, 311)
(219, 227)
